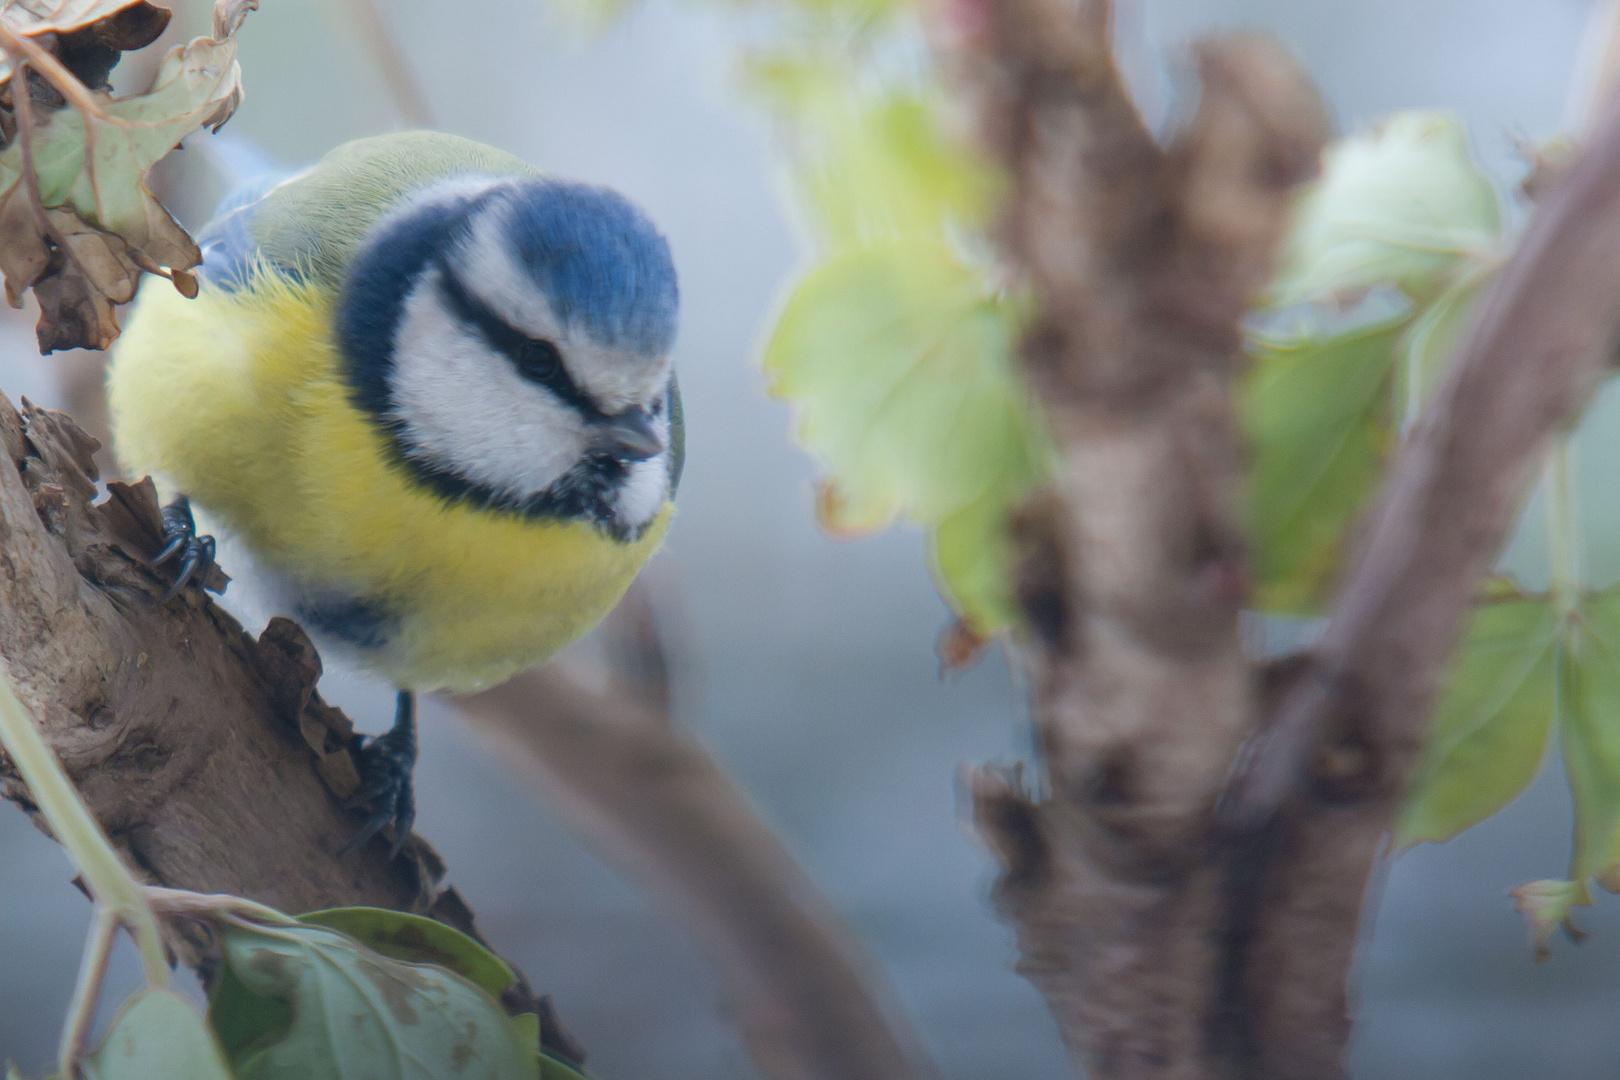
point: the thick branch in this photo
(192, 743)
(1347, 736)
(1541, 343)
(656, 804)
(1143, 261)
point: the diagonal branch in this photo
(206, 755)
(1346, 735)
(1540, 346)
(652, 801)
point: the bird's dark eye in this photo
(538, 361)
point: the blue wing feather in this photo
(229, 247)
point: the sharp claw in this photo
(170, 550)
(196, 552)
(404, 818)
(188, 566)
(385, 763)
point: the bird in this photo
(429, 389)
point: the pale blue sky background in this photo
(818, 684)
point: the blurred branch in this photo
(380, 42)
(1133, 569)
(1538, 349)
(1172, 941)
(653, 801)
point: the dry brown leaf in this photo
(80, 226)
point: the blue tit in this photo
(429, 389)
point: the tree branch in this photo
(1133, 568)
(1346, 738)
(207, 756)
(1169, 941)
(654, 802)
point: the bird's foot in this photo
(385, 763)
(180, 540)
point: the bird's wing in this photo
(309, 225)
(229, 248)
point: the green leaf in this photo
(556, 1069)
(245, 1022)
(1436, 333)
(1490, 732)
(527, 1026)
(899, 359)
(1399, 205)
(417, 939)
(157, 1036)
(1590, 734)
(1319, 416)
(872, 163)
(971, 555)
(356, 1013)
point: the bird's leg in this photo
(180, 538)
(385, 763)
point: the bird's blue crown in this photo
(599, 259)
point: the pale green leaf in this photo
(1589, 730)
(357, 1014)
(899, 360)
(157, 1036)
(556, 1069)
(1400, 205)
(417, 939)
(972, 559)
(1490, 732)
(872, 163)
(91, 158)
(97, 164)
(1319, 416)
(1436, 334)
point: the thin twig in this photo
(81, 1014)
(1537, 350)
(651, 800)
(390, 60)
(64, 81)
(30, 178)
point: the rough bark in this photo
(215, 766)
(1172, 938)
(206, 754)
(653, 802)
(1343, 743)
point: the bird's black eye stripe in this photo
(535, 359)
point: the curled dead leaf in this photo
(1546, 907)
(959, 647)
(77, 222)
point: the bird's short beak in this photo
(629, 436)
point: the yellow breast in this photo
(235, 399)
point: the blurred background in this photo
(814, 678)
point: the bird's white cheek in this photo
(643, 492)
(463, 408)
